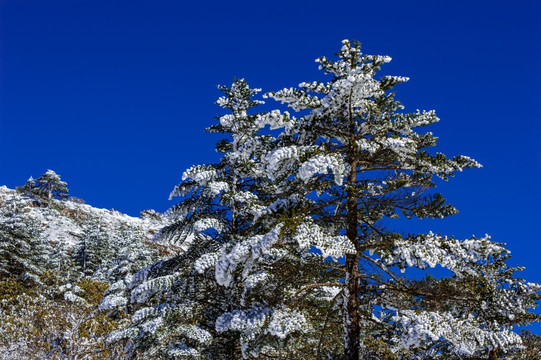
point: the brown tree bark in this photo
(353, 288)
(353, 319)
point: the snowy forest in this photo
(287, 247)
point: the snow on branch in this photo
(276, 120)
(207, 223)
(244, 252)
(201, 174)
(206, 261)
(320, 164)
(280, 160)
(429, 250)
(147, 289)
(278, 322)
(309, 234)
(465, 335)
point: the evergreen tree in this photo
(218, 207)
(350, 161)
(49, 186)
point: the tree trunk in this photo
(352, 314)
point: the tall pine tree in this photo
(351, 160)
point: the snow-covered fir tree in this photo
(217, 208)
(350, 160)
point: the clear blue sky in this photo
(114, 95)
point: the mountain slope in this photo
(65, 221)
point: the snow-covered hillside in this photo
(57, 257)
(65, 221)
